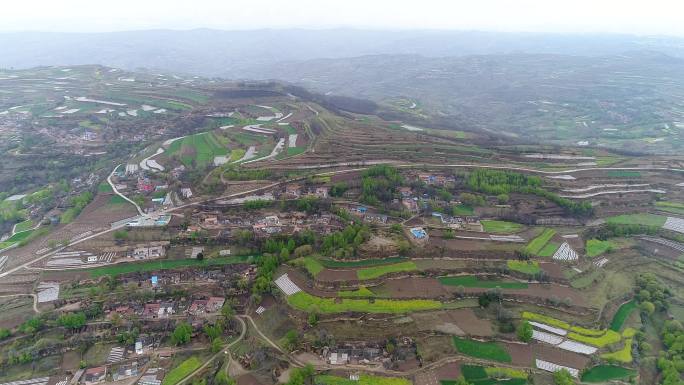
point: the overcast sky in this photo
(581, 16)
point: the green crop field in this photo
(604, 373)
(622, 314)
(596, 247)
(311, 264)
(526, 267)
(124, 268)
(623, 174)
(462, 210)
(479, 375)
(24, 226)
(500, 227)
(335, 264)
(291, 151)
(364, 379)
(379, 271)
(200, 148)
(623, 355)
(16, 238)
(671, 207)
(535, 246)
(610, 337)
(115, 200)
(361, 292)
(473, 372)
(306, 302)
(485, 350)
(561, 324)
(181, 371)
(638, 219)
(246, 139)
(586, 280)
(549, 249)
(104, 188)
(474, 281)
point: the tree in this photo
(525, 331)
(223, 379)
(471, 199)
(303, 251)
(181, 335)
(227, 311)
(213, 332)
(502, 198)
(313, 318)
(563, 377)
(200, 256)
(291, 340)
(647, 307)
(4, 333)
(31, 326)
(216, 345)
(72, 320)
(302, 376)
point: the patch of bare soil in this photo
(553, 269)
(248, 379)
(330, 275)
(559, 356)
(379, 246)
(449, 371)
(456, 322)
(413, 287)
(521, 354)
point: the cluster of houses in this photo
(264, 225)
(166, 309)
(296, 191)
(147, 252)
(366, 215)
(469, 223)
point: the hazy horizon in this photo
(658, 17)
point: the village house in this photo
(123, 311)
(145, 186)
(186, 192)
(321, 192)
(211, 220)
(292, 191)
(203, 306)
(405, 192)
(375, 218)
(148, 252)
(410, 204)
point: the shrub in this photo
(525, 331)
